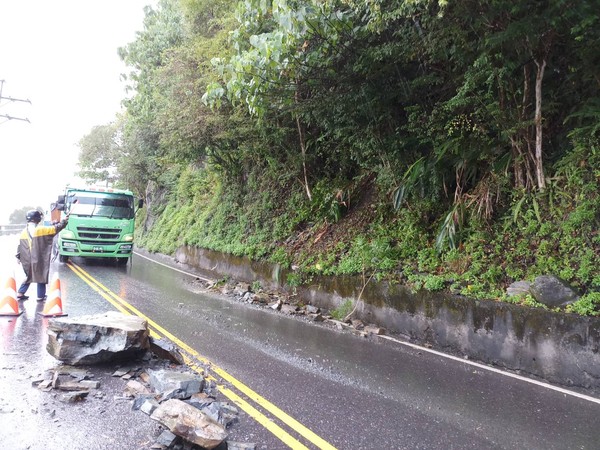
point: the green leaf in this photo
(398, 196)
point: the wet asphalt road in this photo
(351, 392)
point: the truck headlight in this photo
(128, 238)
(67, 234)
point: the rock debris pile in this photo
(289, 305)
(183, 401)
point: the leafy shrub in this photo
(434, 283)
(342, 310)
(587, 305)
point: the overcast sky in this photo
(62, 56)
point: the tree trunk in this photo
(302, 148)
(517, 163)
(526, 157)
(522, 143)
(539, 168)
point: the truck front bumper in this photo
(68, 247)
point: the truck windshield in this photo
(99, 204)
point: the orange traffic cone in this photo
(8, 304)
(53, 307)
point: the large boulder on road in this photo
(97, 338)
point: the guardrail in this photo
(11, 229)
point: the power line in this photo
(6, 116)
(12, 99)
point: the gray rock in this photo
(276, 305)
(288, 309)
(210, 388)
(74, 396)
(241, 289)
(312, 309)
(200, 400)
(240, 446)
(166, 350)
(374, 330)
(45, 385)
(518, 289)
(221, 412)
(90, 384)
(134, 388)
(140, 399)
(98, 338)
(78, 373)
(552, 291)
(166, 438)
(149, 405)
(190, 423)
(74, 385)
(339, 324)
(175, 384)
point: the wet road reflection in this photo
(28, 330)
(31, 419)
(355, 393)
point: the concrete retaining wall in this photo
(560, 348)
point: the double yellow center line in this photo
(190, 356)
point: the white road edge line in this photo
(174, 268)
(435, 352)
(495, 370)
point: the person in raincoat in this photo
(34, 251)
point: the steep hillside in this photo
(533, 235)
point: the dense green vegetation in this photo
(440, 144)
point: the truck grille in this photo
(98, 235)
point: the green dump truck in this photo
(101, 223)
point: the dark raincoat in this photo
(34, 251)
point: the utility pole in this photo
(11, 99)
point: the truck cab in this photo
(101, 223)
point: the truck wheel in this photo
(63, 258)
(122, 261)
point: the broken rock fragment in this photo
(74, 396)
(97, 338)
(190, 423)
(165, 349)
(166, 439)
(220, 412)
(175, 384)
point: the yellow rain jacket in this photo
(35, 249)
